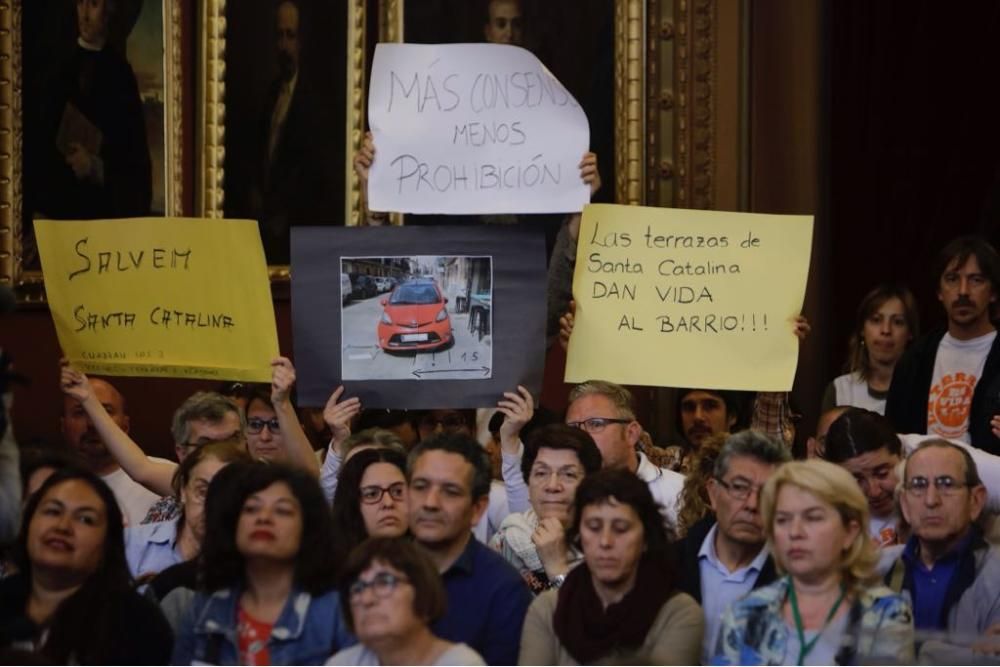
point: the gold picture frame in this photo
(28, 284)
(211, 123)
(629, 94)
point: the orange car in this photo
(415, 317)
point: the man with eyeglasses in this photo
(604, 410)
(724, 556)
(950, 573)
(449, 484)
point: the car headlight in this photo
(442, 315)
(385, 318)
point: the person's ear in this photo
(633, 431)
(852, 530)
(479, 506)
(712, 486)
(977, 501)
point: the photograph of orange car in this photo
(415, 317)
(431, 318)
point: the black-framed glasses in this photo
(382, 585)
(255, 425)
(945, 485)
(739, 489)
(597, 424)
(373, 494)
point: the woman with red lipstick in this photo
(556, 459)
(827, 609)
(621, 605)
(71, 601)
(887, 321)
(370, 500)
(267, 586)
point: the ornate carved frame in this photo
(630, 89)
(212, 113)
(29, 283)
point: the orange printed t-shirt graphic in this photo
(948, 405)
(253, 637)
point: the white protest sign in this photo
(473, 128)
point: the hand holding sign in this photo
(688, 298)
(463, 127)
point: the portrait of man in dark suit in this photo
(285, 118)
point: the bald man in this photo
(79, 433)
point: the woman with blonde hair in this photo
(825, 609)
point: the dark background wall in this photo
(880, 118)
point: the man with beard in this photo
(289, 185)
(723, 556)
(947, 383)
(80, 434)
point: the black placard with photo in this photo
(418, 318)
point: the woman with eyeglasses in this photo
(71, 601)
(827, 609)
(153, 547)
(556, 459)
(622, 604)
(267, 595)
(394, 593)
(370, 500)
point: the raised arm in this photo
(338, 415)
(518, 408)
(297, 446)
(154, 475)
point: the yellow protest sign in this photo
(166, 297)
(686, 298)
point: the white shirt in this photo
(958, 366)
(280, 113)
(134, 499)
(665, 485)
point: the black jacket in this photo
(906, 406)
(690, 573)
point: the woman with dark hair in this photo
(72, 599)
(370, 500)
(887, 321)
(267, 586)
(153, 547)
(556, 459)
(394, 594)
(621, 605)
(864, 443)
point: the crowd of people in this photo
(512, 535)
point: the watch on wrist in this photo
(557, 581)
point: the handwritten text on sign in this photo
(683, 298)
(160, 297)
(473, 128)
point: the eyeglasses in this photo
(255, 425)
(597, 424)
(945, 485)
(739, 489)
(373, 494)
(382, 584)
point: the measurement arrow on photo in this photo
(420, 372)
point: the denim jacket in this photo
(308, 631)
(880, 625)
